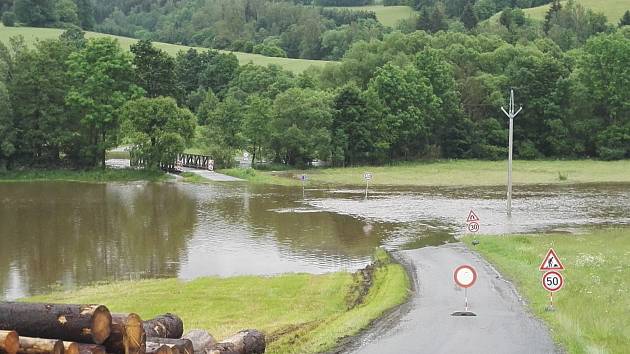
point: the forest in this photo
(404, 94)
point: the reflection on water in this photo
(61, 235)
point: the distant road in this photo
(503, 323)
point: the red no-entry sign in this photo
(465, 276)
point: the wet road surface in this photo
(502, 325)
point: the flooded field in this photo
(58, 235)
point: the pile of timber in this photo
(35, 328)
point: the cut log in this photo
(91, 349)
(127, 335)
(155, 348)
(164, 326)
(70, 348)
(249, 341)
(201, 340)
(30, 345)
(9, 342)
(179, 346)
(73, 323)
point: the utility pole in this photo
(511, 114)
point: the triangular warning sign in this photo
(472, 217)
(551, 261)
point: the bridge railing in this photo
(183, 160)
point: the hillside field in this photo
(31, 34)
(613, 9)
(387, 15)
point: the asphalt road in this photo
(425, 325)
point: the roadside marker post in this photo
(303, 178)
(367, 176)
(464, 276)
(552, 280)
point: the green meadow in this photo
(31, 34)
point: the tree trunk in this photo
(164, 326)
(40, 346)
(75, 323)
(9, 342)
(201, 340)
(127, 335)
(249, 341)
(179, 346)
(155, 348)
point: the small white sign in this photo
(367, 176)
(465, 276)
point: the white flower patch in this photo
(589, 260)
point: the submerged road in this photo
(502, 325)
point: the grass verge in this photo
(466, 173)
(106, 175)
(300, 313)
(592, 309)
(260, 177)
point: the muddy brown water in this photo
(60, 235)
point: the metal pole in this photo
(466, 298)
(511, 114)
(367, 185)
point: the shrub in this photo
(8, 19)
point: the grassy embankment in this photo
(593, 308)
(613, 9)
(387, 15)
(97, 175)
(455, 173)
(31, 34)
(300, 313)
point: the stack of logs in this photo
(31, 328)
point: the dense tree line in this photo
(400, 95)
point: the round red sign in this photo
(552, 281)
(465, 276)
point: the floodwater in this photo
(60, 235)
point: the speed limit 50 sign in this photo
(552, 281)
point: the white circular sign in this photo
(552, 281)
(465, 276)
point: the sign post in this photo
(465, 276)
(552, 280)
(511, 114)
(367, 176)
(303, 178)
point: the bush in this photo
(613, 143)
(8, 19)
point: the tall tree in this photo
(301, 126)
(8, 132)
(625, 19)
(155, 69)
(469, 18)
(551, 15)
(257, 124)
(85, 12)
(35, 12)
(157, 128)
(102, 81)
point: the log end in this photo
(135, 337)
(101, 324)
(58, 348)
(71, 348)
(12, 342)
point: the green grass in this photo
(593, 308)
(31, 34)
(613, 9)
(260, 177)
(300, 313)
(387, 15)
(97, 175)
(466, 173)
